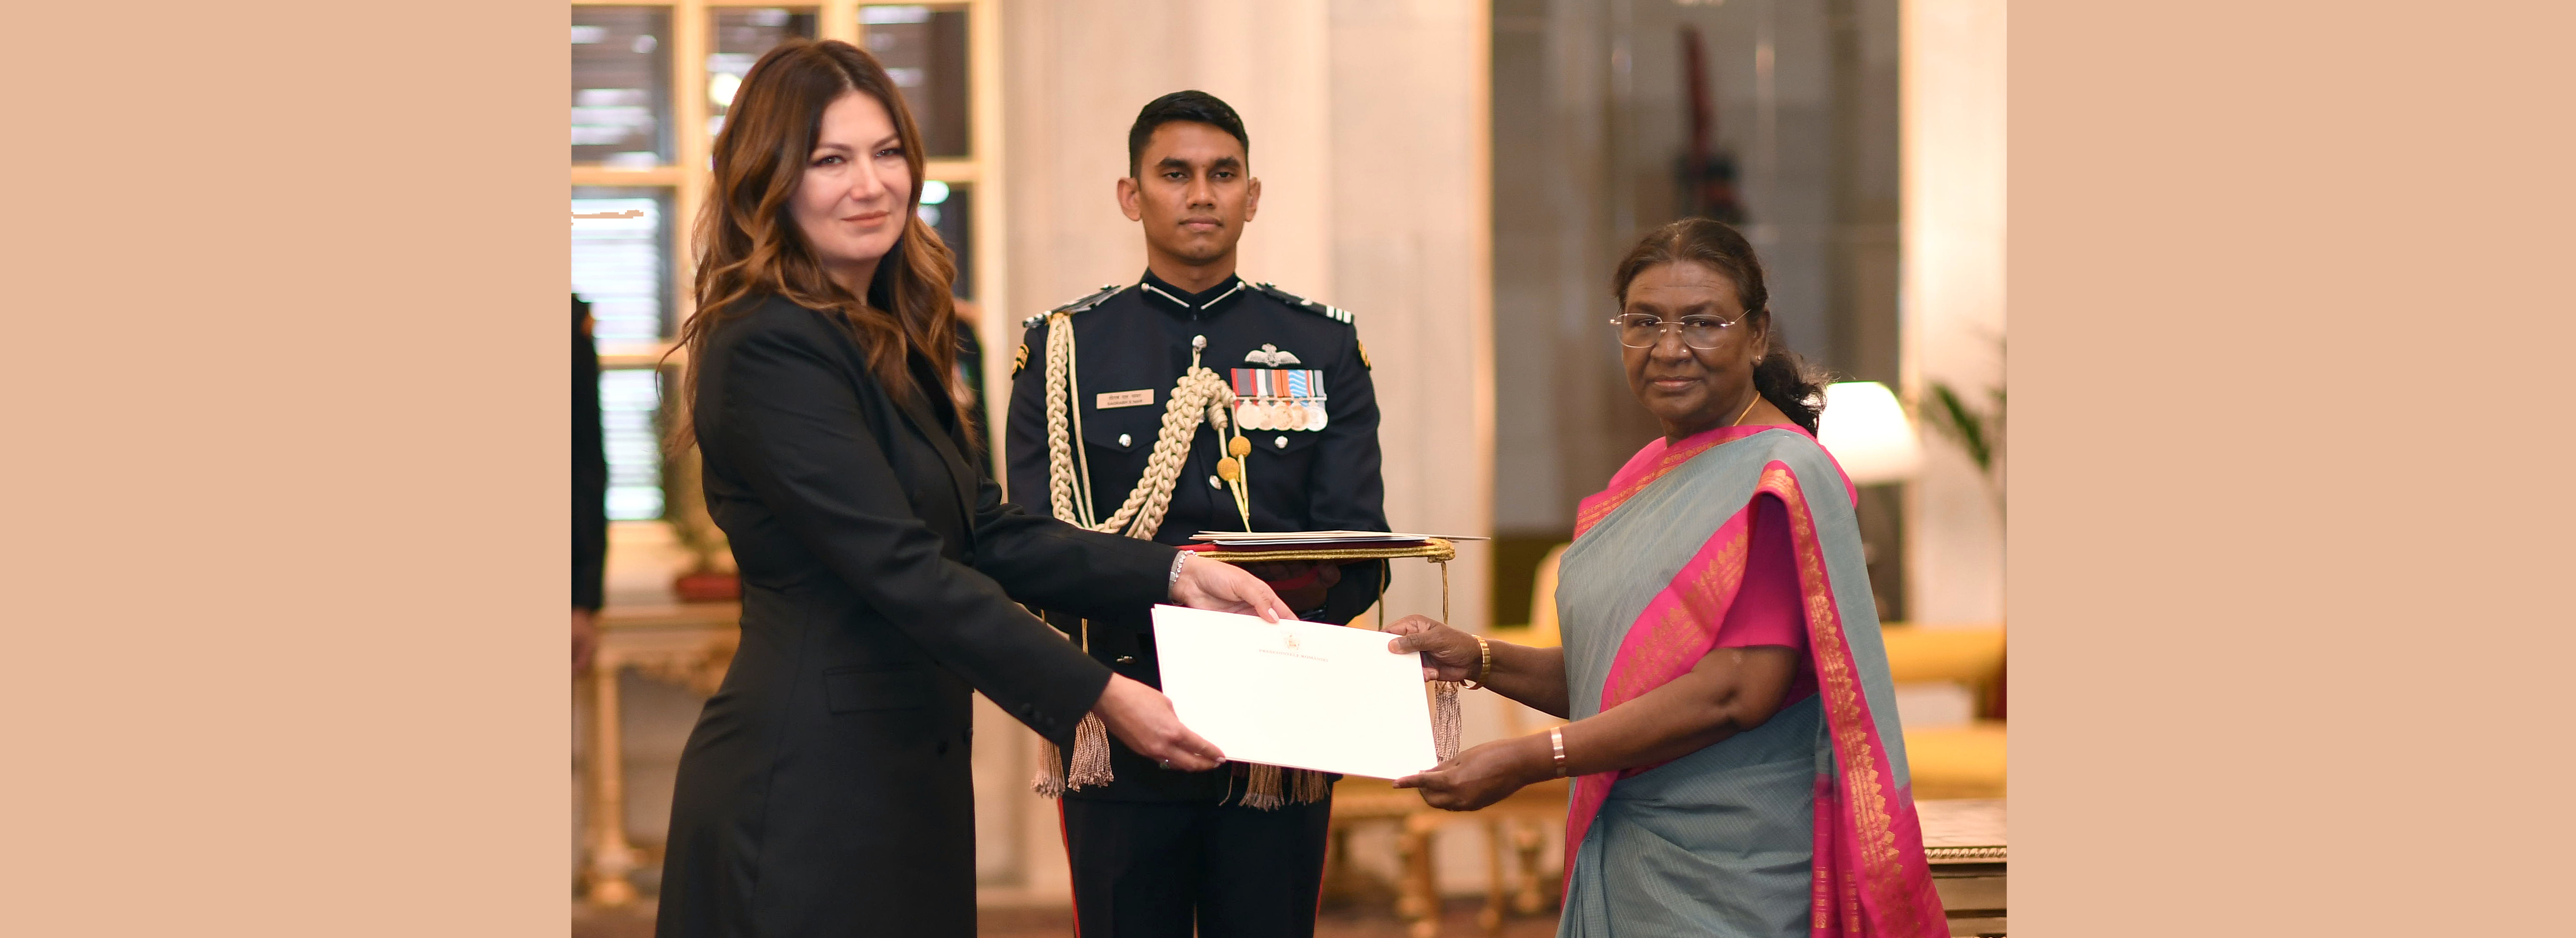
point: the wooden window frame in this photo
(838, 19)
(688, 179)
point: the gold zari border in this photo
(1863, 787)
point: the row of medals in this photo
(1279, 414)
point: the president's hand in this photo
(1483, 774)
(1447, 654)
(1221, 586)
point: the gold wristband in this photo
(1556, 741)
(1484, 664)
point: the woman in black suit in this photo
(825, 790)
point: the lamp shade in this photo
(1866, 430)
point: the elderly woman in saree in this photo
(1737, 765)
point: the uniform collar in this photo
(1160, 293)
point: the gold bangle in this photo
(1556, 741)
(1484, 665)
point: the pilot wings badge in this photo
(1271, 356)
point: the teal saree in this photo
(1802, 826)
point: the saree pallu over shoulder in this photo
(1658, 558)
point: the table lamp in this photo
(1865, 429)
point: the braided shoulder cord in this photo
(1199, 393)
(1061, 478)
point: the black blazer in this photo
(825, 789)
(589, 467)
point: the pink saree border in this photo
(1871, 879)
(1877, 839)
(1642, 471)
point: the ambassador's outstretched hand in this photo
(1141, 716)
(1224, 587)
(1302, 584)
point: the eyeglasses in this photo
(1639, 330)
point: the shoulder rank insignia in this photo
(1363, 347)
(1106, 291)
(1342, 316)
(1020, 360)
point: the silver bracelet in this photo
(1177, 557)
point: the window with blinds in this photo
(630, 403)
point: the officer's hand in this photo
(1447, 654)
(1215, 584)
(1142, 717)
(1479, 776)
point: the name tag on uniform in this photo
(1144, 398)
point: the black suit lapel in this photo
(961, 474)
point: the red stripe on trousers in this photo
(1073, 896)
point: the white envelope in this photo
(1306, 695)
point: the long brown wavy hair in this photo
(748, 248)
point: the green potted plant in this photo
(1978, 430)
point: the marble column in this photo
(1953, 301)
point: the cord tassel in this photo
(1446, 723)
(1090, 754)
(1049, 782)
(1311, 787)
(1261, 789)
(1090, 763)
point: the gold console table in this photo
(1964, 839)
(687, 644)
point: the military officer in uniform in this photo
(1194, 400)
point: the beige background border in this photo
(2290, 321)
(287, 581)
(2289, 309)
